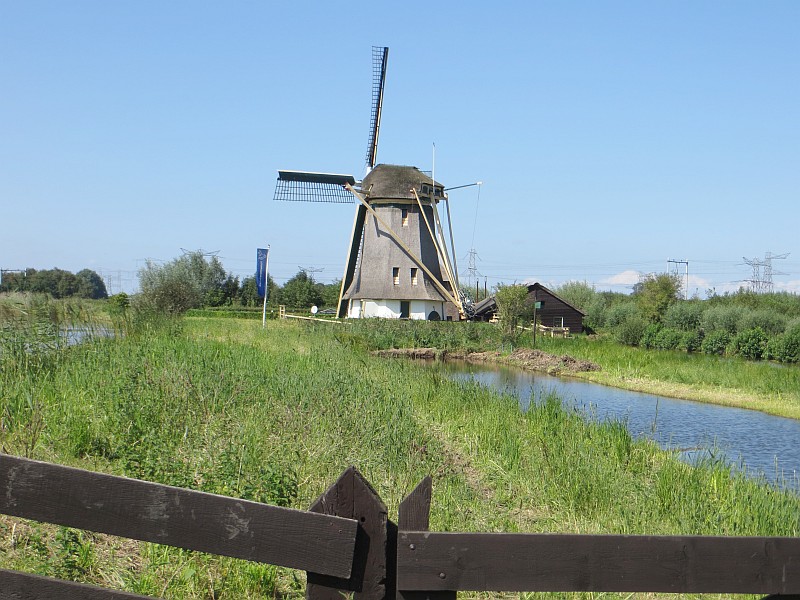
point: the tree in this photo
(578, 293)
(513, 307)
(189, 281)
(230, 290)
(56, 282)
(248, 294)
(330, 294)
(91, 285)
(301, 291)
(654, 294)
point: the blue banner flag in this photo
(261, 271)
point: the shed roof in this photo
(539, 286)
(489, 304)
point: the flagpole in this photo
(266, 291)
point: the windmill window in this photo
(404, 212)
(396, 275)
(413, 276)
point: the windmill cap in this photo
(395, 181)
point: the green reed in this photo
(275, 414)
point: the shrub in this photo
(691, 341)
(750, 344)
(786, 348)
(630, 332)
(684, 316)
(769, 321)
(668, 339)
(513, 307)
(620, 313)
(649, 337)
(119, 303)
(183, 283)
(715, 342)
(578, 293)
(774, 348)
(722, 318)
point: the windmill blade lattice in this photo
(303, 186)
(380, 57)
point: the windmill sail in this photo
(380, 56)
(305, 186)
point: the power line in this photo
(676, 263)
(761, 281)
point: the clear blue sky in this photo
(610, 136)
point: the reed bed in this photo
(275, 415)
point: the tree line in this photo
(58, 283)
(654, 316)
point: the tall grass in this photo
(379, 334)
(276, 414)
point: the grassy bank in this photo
(756, 385)
(276, 414)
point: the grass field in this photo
(276, 414)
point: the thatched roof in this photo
(395, 181)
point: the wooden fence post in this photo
(414, 515)
(353, 497)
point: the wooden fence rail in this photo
(346, 543)
(599, 563)
(176, 517)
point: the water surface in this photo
(763, 444)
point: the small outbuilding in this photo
(552, 310)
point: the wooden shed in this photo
(553, 311)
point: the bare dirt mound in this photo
(534, 360)
(418, 353)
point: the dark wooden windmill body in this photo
(398, 264)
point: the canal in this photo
(760, 444)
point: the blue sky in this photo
(609, 136)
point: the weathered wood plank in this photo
(352, 496)
(176, 517)
(602, 563)
(414, 511)
(414, 515)
(23, 586)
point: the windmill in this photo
(398, 263)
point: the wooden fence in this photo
(346, 542)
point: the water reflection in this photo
(77, 334)
(763, 444)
